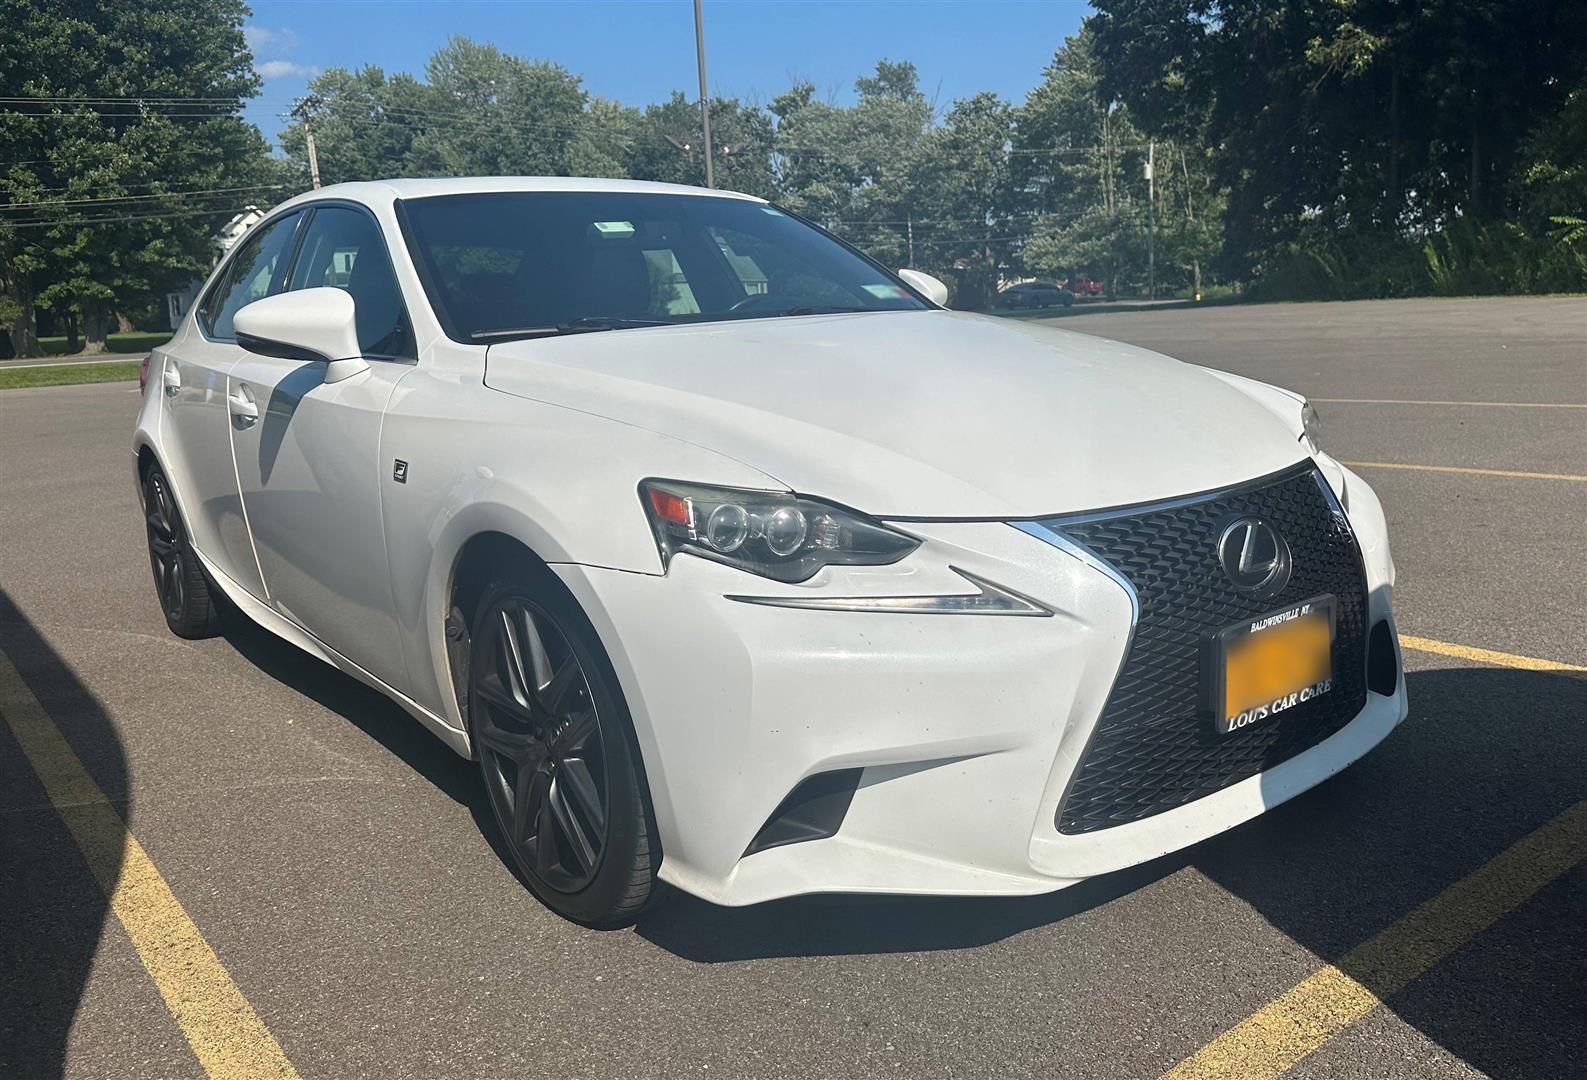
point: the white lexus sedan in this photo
(740, 563)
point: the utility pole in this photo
(1190, 216)
(705, 102)
(911, 238)
(1151, 221)
(301, 111)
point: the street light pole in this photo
(705, 103)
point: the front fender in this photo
(563, 483)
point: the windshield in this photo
(524, 264)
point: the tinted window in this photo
(251, 275)
(502, 262)
(343, 249)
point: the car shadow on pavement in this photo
(52, 910)
(1486, 757)
(838, 925)
(376, 716)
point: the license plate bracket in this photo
(1262, 666)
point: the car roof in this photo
(385, 191)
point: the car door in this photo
(308, 464)
(192, 373)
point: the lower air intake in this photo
(812, 811)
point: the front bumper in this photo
(968, 728)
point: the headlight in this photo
(1311, 427)
(770, 533)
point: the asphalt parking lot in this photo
(1424, 914)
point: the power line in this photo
(138, 115)
(137, 198)
(30, 98)
(325, 126)
(117, 219)
(422, 117)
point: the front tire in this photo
(187, 600)
(556, 752)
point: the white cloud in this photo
(270, 39)
(281, 69)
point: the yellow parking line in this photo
(1306, 1016)
(1460, 469)
(1485, 656)
(222, 1028)
(1474, 404)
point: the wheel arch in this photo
(144, 458)
(478, 560)
(481, 554)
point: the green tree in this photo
(667, 144)
(1079, 162)
(968, 189)
(604, 138)
(479, 112)
(887, 144)
(494, 114)
(126, 155)
(1346, 129)
(364, 123)
(812, 173)
(1551, 193)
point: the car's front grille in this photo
(1152, 749)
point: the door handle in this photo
(241, 405)
(170, 377)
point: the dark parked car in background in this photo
(1034, 294)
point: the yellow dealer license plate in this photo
(1262, 666)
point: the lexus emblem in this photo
(1254, 556)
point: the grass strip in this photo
(18, 378)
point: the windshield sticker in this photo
(887, 292)
(615, 229)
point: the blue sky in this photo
(639, 51)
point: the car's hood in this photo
(917, 414)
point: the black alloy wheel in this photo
(551, 736)
(186, 598)
(166, 539)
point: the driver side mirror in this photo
(932, 288)
(314, 325)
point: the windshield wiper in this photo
(608, 322)
(808, 309)
(585, 324)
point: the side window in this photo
(250, 275)
(343, 249)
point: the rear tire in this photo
(188, 601)
(557, 753)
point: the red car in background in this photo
(1081, 285)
